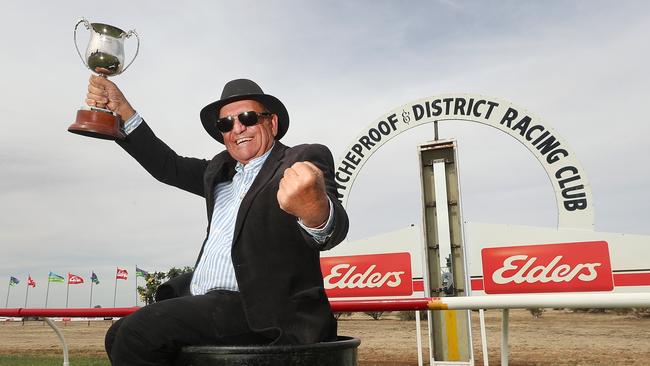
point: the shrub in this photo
(536, 312)
(338, 315)
(641, 312)
(374, 314)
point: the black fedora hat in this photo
(241, 89)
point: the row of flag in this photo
(73, 279)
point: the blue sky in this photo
(72, 204)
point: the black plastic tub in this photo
(342, 352)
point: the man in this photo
(270, 209)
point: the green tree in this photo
(175, 272)
(155, 279)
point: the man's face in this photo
(247, 143)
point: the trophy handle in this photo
(128, 35)
(87, 25)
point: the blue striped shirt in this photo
(215, 269)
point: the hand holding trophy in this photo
(104, 56)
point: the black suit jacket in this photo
(276, 262)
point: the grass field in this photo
(49, 360)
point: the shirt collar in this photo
(254, 165)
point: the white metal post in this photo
(481, 317)
(49, 322)
(442, 215)
(504, 337)
(418, 332)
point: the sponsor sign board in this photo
(566, 267)
(387, 274)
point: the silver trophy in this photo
(104, 56)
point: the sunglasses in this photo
(250, 118)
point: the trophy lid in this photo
(107, 29)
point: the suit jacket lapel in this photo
(266, 173)
(221, 169)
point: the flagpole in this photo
(8, 290)
(91, 290)
(47, 293)
(92, 283)
(115, 293)
(136, 285)
(27, 292)
(67, 292)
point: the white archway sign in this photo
(572, 190)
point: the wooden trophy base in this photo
(98, 124)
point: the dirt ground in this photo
(559, 337)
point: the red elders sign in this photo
(570, 267)
(368, 275)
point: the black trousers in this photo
(155, 334)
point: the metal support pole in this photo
(504, 337)
(67, 292)
(27, 293)
(47, 293)
(481, 316)
(8, 291)
(115, 292)
(432, 348)
(418, 332)
(435, 131)
(49, 322)
(136, 285)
